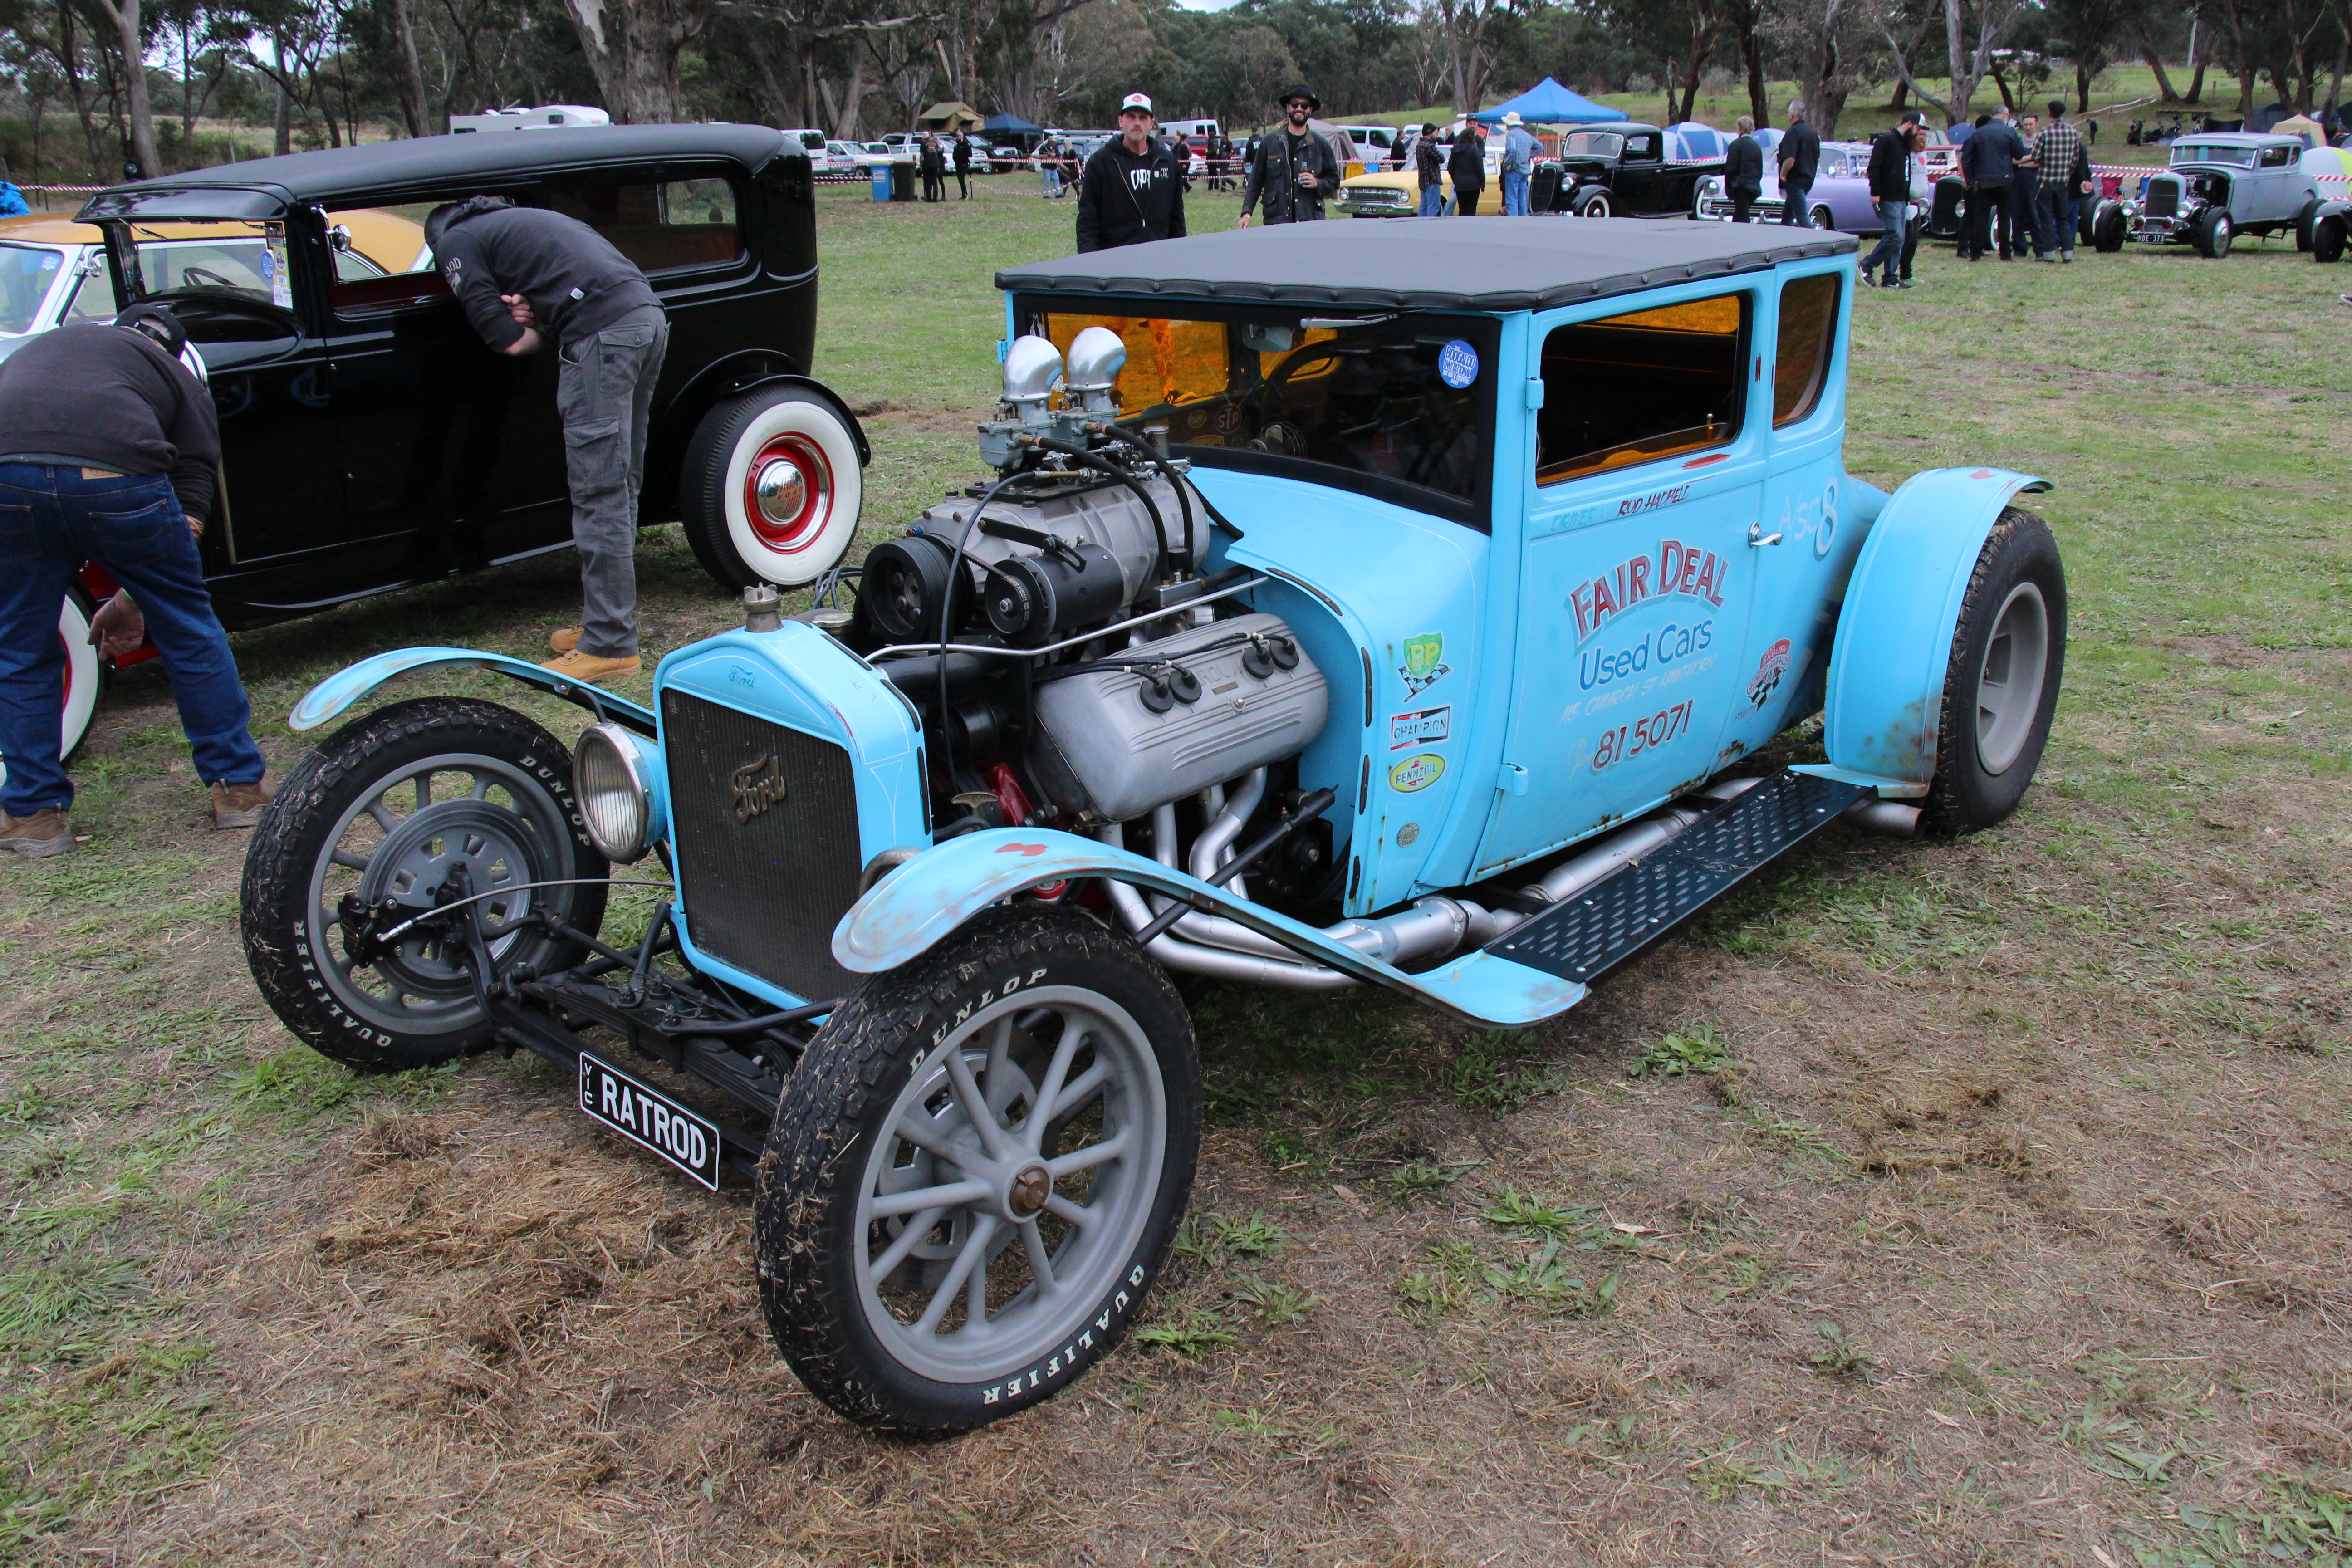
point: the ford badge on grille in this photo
(758, 786)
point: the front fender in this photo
(1885, 695)
(927, 898)
(347, 686)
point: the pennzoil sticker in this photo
(1424, 662)
(1416, 773)
(1419, 726)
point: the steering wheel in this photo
(204, 277)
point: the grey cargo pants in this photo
(604, 391)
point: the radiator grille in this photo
(762, 894)
(2163, 198)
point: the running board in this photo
(1607, 924)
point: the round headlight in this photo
(612, 790)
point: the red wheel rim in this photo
(788, 492)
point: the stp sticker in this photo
(1416, 773)
(1769, 671)
(1457, 364)
(1419, 726)
(1424, 662)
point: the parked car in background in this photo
(2215, 187)
(841, 160)
(1451, 610)
(1840, 198)
(1375, 145)
(1618, 171)
(370, 440)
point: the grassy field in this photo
(1944, 1204)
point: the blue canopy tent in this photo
(1010, 125)
(1549, 103)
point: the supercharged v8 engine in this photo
(1071, 663)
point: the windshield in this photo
(2208, 152)
(1405, 402)
(26, 274)
(1591, 145)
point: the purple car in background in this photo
(1840, 197)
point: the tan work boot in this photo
(239, 805)
(43, 833)
(566, 640)
(589, 667)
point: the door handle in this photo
(1756, 536)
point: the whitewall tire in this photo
(772, 487)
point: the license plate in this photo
(650, 1118)
(2151, 239)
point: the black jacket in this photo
(1273, 175)
(1124, 198)
(963, 155)
(1429, 162)
(1468, 162)
(933, 159)
(1990, 155)
(1801, 148)
(1743, 165)
(1890, 166)
(576, 283)
(112, 397)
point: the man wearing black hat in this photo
(525, 275)
(1133, 189)
(109, 452)
(1294, 171)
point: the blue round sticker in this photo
(1457, 364)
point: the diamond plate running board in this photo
(1596, 930)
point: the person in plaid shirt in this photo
(2066, 181)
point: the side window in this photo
(2276, 157)
(93, 300)
(1801, 360)
(1635, 388)
(663, 226)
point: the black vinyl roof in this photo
(428, 165)
(1429, 264)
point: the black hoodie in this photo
(112, 397)
(1126, 198)
(576, 281)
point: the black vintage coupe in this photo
(370, 441)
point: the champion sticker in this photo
(1416, 773)
(1457, 364)
(1420, 728)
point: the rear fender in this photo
(331, 696)
(927, 898)
(1885, 695)
(740, 373)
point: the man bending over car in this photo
(524, 274)
(108, 455)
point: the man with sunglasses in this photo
(1295, 171)
(109, 456)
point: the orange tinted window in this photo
(1638, 387)
(1801, 362)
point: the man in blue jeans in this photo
(108, 455)
(1890, 192)
(1518, 162)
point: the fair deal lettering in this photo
(1677, 568)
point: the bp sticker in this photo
(1457, 364)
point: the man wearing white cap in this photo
(1518, 162)
(1133, 188)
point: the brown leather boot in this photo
(564, 641)
(591, 668)
(239, 805)
(43, 833)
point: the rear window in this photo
(663, 226)
(1638, 387)
(1801, 362)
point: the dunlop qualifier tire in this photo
(2000, 686)
(496, 794)
(884, 1211)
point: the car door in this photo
(1647, 475)
(1807, 542)
(1640, 173)
(2278, 189)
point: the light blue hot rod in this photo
(1414, 630)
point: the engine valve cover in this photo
(1175, 716)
